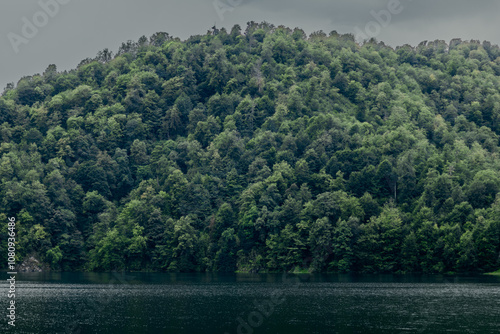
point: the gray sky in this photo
(80, 28)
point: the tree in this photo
(225, 259)
(484, 188)
(108, 252)
(320, 243)
(54, 256)
(343, 245)
(381, 241)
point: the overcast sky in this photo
(80, 28)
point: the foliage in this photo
(265, 151)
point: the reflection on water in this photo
(252, 303)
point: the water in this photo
(247, 303)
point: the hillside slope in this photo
(258, 150)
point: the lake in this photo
(252, 303)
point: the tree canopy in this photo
(258, 150)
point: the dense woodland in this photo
(258, 150)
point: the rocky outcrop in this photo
(32, 265)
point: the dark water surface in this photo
(252, 303)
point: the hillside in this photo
(258, 150)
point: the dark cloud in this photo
(83, 27)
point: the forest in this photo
(258, 150)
